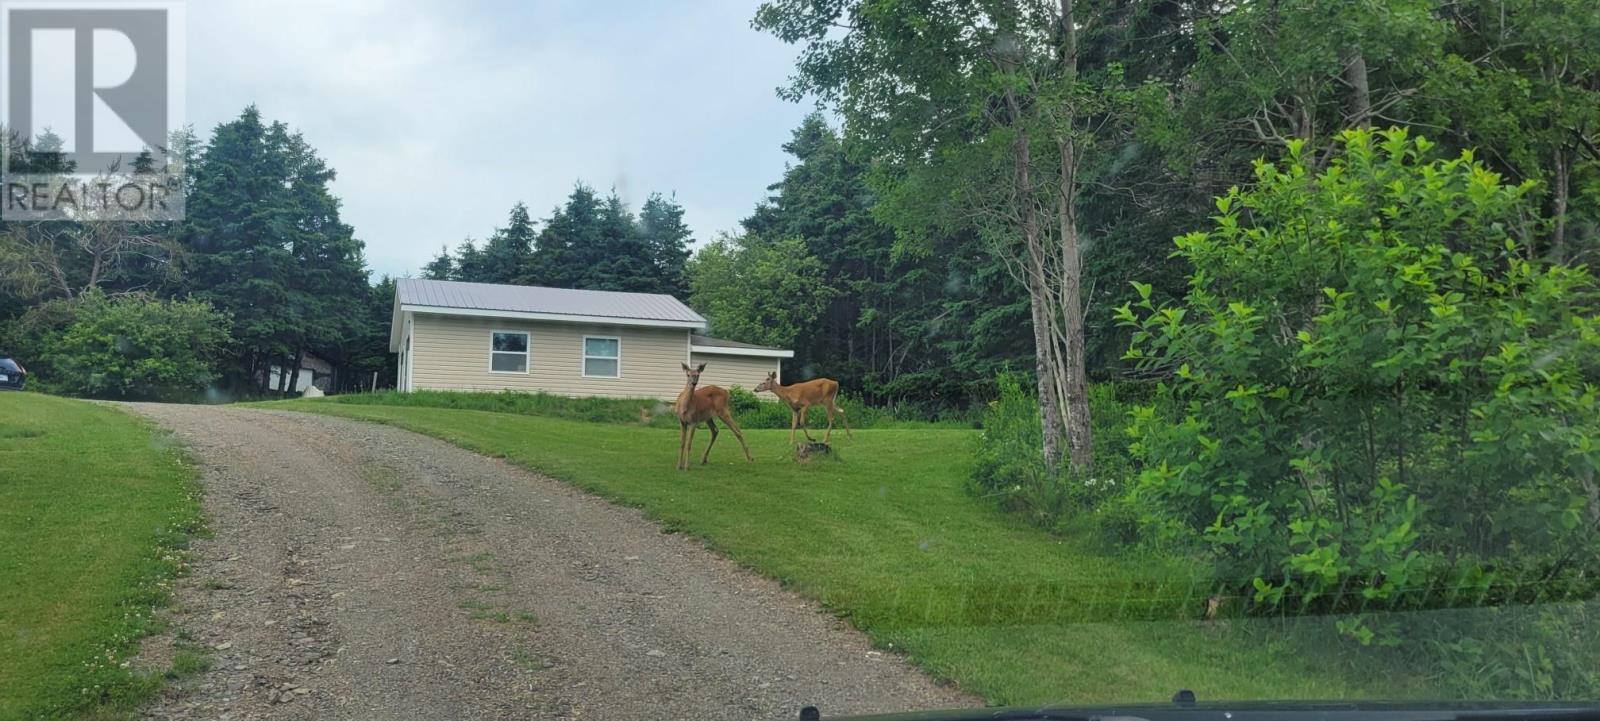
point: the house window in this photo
(508, 352)
(602, 357)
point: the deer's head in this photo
(768, 384)
(693, 374)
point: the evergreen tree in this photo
(442, 267)
(566, 242)
(508, 251)
(239, 260)
(667, 239)
(331, 275)
(265, 244)
(622, 259)
(469, 263)
(930, 323)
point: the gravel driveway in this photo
(359, 571)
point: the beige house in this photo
(485, 337)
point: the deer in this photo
(702, 405)
(800, 397)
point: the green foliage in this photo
(98, 508)
(1535, 652)
(442, 267)
(666, 238)
(1370, 375)
(758, 290)
(589, 242)
(265, 244)
(508, 250)
(126, 347)
(1009, 467)
(1008, 464)
(925, 325)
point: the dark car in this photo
(12, 375)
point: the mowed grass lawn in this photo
(887, 536)
(93, 505)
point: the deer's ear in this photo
(685, 367)
(772, 376)
(701, 368)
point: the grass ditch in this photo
(96, 510)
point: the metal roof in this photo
(600, 304)
(708, 341)
(718, 346)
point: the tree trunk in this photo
(1045, 371)
(263, 383)
(1039, 296)
(1355, 74)
(1045, 364)
(1080, 436)
(283, 376)
(294, 376)
(1560, 188)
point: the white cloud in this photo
(439, 116)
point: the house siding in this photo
(452, 353)
(733, 370)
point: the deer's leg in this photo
(828, 433)
(688, 447)
(804, 411)
(683, 445)
(842, 418)
(794, 421)
(728, 419)
(713, 426)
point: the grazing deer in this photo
(800, 397)
(697, 405)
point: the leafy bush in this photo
(124, 347)
(1537, 652)
(759, 290)
(1009, 463)
(1374, 382)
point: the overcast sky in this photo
(440, 115)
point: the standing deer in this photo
(701, 405)
(800, 397)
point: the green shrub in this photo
(124, 347)
(1372, 373)
(1537, 652)
(1009, 466)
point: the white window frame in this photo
(527, 351)
(583, 359)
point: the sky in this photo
(439, 116)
